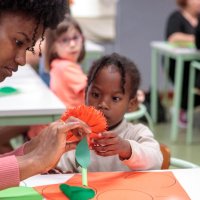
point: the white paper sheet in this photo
(49, 179)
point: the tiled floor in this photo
(180, 149)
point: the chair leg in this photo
(177, 97)
(153, 97)
(149, 120)
(190, 111)
(166, 77)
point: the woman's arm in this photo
(9, 172)
(40, 154)
(197, 35)
(181, 37)
(176, 29)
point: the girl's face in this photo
(69, 45)
(105, 94)
(16, 33)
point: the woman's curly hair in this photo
(46, 12)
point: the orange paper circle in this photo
(124, 195)
(160, 180)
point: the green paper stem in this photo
(83, 158)
(84, 177)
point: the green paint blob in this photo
(75, 192)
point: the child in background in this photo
(64, 50)
(113, 82)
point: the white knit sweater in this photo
(146, 154)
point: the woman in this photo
(22, 22)
(180, 30)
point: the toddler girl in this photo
(113, 82)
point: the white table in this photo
(34, 104)
(180, 55)
(93, 47)
(188, 178)
(93, 52)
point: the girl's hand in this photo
(109, 144)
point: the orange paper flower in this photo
(92, 117)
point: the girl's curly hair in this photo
(125, 66)
(46, 12)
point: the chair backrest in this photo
(166, 156)
(141, 112)
(182, 164)
(169, 161)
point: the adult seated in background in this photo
(22, 22)
(180, 30)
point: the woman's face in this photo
(69, 44)
(16, 33)
(194, 6)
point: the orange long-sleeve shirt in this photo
(68, 82)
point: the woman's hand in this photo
(109, 144)
(44, 151)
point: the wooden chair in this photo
(166, 156)
(169, 161)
